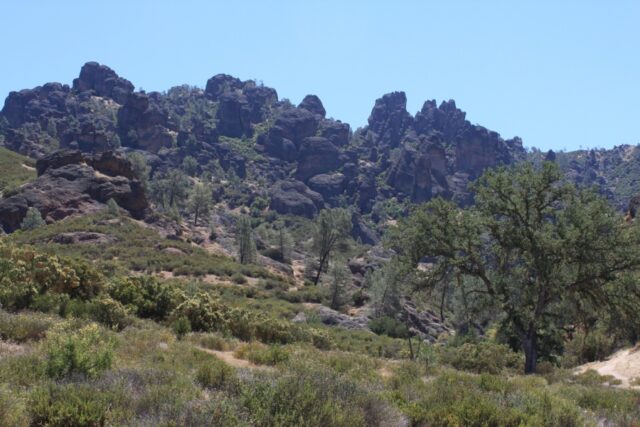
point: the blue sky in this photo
(559, 74)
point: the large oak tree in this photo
(535, 249)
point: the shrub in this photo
(239, 278)
(262, 355)
(32, 220)
(110, 312)
(181, 326)
(26, 273)
(204, 312)
(359, 298)
(216, 374)
(24, 326)
(113, 208)
(386, 325)
(484, 356)
(146, 296)
(87, 352)
(12, 409)
(68, 406)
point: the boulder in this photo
(335, 131)
(312, 103)
(293, 197)
(335, 318)
(328, 185)
(291, 127)
(361, 231)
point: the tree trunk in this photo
(530, 348)
(323, 259)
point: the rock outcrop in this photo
(70, 182)
(101, 80)
(295, 198)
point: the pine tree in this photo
(245, 241)
(200, 201)
(32, 219)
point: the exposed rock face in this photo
(336, 132)
(440, 151)
(317, 155)
(328, 185)
(436, 153)
(103, 81)
(389, 119)
(241, 104)
(293, 197)
(144, 125)
(334, 318)
(425, 324)
(361, 231)
(70, 183)
(289, 130)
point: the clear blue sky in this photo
(560, 74)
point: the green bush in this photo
(26, 273)
(216, 374)
(484, 356)
(239, 278)
(68, 406)
(87, 352)
(110, 312)
(262, 355)
(12, 408)
(23, 327)
(204, 312)
(389, 326)
(146, 296)
(181, 326)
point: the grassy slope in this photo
(13, 172)
(155, 378)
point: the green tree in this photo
(170, 190)
(32, 219)
(284, 242)
(339, 279)
(330, 228)
(385, 289)
(190, 166)
(245, 241)
(140, 167)
(541, 252)
(200, 201)
(113, 208)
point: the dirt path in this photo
(623, 365)
(230, 359)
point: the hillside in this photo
(220, 256)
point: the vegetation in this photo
(32, 220)
(244, 240)
(331, 227)
(160, 331)
(16, 171)
(541, 252)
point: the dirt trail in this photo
(230, 359)
(623, 365)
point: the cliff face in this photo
(304, 159)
